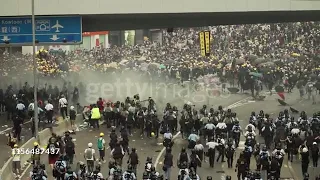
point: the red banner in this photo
(97, 42)
(95, 33)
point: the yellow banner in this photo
(207, 42)
(202, 44)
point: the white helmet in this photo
(305, 150)
(90, 145)
(72, 107)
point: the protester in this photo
(16, 161)
(133, 160)
(90, 157)
(70, 151)
(101, 147)
(73, 116)
(63, 104)
(36, 154)
(49, 112)
(95, 116)
(168, 163)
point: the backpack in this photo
(133, 158)
(95, 176)
(36, 176)
(309, 88)
(100, 144)
(140, 114)
(194, 160)
(113, 137)
(108, 109)
(60, 166)
(69, 146)
(184, 157)
(89, 154)
(278, 154)
(264, 156)
(117, 153)
(70, 177)
(236, 129)
(242, 163)
(228, 120)
(128, 176)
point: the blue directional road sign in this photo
(49, 30)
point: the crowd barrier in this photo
(6, 172)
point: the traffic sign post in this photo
(49, 30)
(35, 83)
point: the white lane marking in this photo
(29, 165)
(239, 103)
(162, 151)
(4, 131)
(8, 129)
(292, 172)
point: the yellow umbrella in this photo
(295, 55)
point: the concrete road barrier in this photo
(6, 172)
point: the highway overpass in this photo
(100, 15)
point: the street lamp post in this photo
(35, 90)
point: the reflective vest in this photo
(95, 113)
(16, 154)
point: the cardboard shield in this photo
(294, 110)
(282, 102)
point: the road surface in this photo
(5, 128)
(269, 105)
(146, 147)
(149, 147)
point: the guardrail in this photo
(6, 172)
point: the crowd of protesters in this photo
(281, 43)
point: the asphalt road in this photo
(269, 105)
(5, 128)
(146, 147)
(150, 147)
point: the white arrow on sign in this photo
(5, 38)
(54, 38)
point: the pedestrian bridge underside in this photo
(152, 21)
